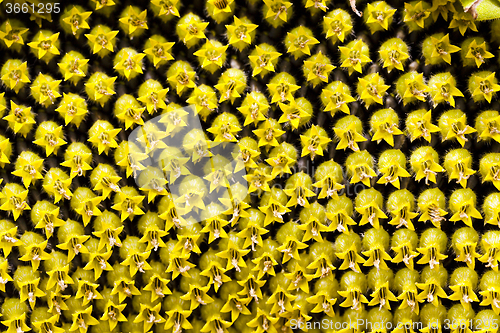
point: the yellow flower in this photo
(45, 45)
(463, 21)
(166, 7)
(240, 32)
(73, 67)
(114, 314)
(159, 51)
(263, 60)
(82, 319)
(431, 256)
(317, 69)
(463, 293)
(277, 9)
(314, 141)
(431, 292)
(355, 55)
(443, 49)
(76, 19)
(101, 40)
(416, 13)
(133, 21)
(130, 64)
(30, 291)
(16, 77)
(197, 296)
(478, 53)
(380, 14)
(12, 35)
(383, 296)
(212, 55)
(98, 262)
(282, 90)
(372, 88)
(424, 128)
(48, 325)
(486, 87)
(301, 41)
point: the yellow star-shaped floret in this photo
(486, 87)
(15, 76)
(478, 53)
(461, 172)
(240, 31)
(321, 4)
(74, 246)
(463, 21)
(46, 89)
(459, 129)
(166, 7)
(301, 42)
(51, 141)
(424, 128)
(403, 216)
(371, 214)
(490, 297)
(45, 45)
(350, 259)
(361, 173)
(130, 65)
(102, 40)
(48, 325)
(73, 67)
(16, 203)
(318, 68)
(355, 58)
(99, 4)
(393, 57)
(416, 13)
(89, 208)
(282, 91)
(382, 296)
(313, 142)
(391, 174)
(380, 14)
(443, 49)
(263, 60)
(128, 205)
(113, 314)
(354, 298)
(193, 30)
(211, 56)
(386, 130)
(277, 9)
(372, 89)
(348, 137)
(12, 35)
(159, 51)
(182, 79)
(431, 292)
(30, 291)
(102, 88)
(135, 20)
(431, 256)
(405, 254)
(415, 88)
(463, 293)
(445, 91)
(337, 100)
(77, 19)
(154, 100)
(35, 253)
(466, 212)
(329, 187)
(82, 320)
(98, 262)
